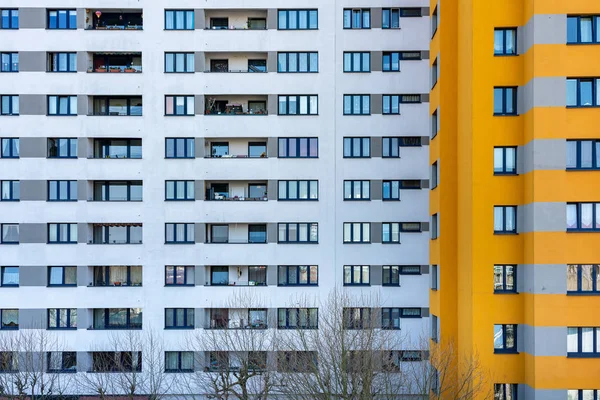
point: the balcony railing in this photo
(236, 324)
(236, 283)
(218, 240)
(236, 112)
(222, 197)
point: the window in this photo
(179, 233)
(10, 62)
(297, 318)
(297, 19)
(180, 148)
(357, 62)
(434, 175)
(117, 233)
(583, 342)
(62, 318)
(505, 391)
(298, 275)
(505, 160)
(179, 190)
(357, 232)
(61, 62)
(583, 394)
(505, 338)
(583, 154)
(434, 73)
(298, 233)
(357, 318)
(297, 361)
(391, 147)
(298, 147)
(505, 42)
(391, 103)
(179, 318)
(118, 148)
(359, 147)
(583, 29)
(434, 21)
(298, 62)
(390, 317)
(9, 277)
(583, 278)
(10, 233)
(62, 233)
(357, 190)
(219, 234)
(434, 277)
(179, 62)
(62, 276)
(257, 150)
(357, 18)
(505, 101)
(118, 191)
(391, 61)
(10, 105)
(505, 219)
(9, 148)
(391, 275)
(61, 361)
(355, 275)
(179, 361)
(62, 148)
(62, 19)
(179, 19)
(583, 216)
(583, 92)
(505, 278)
(357, 104)
(390, 232)
(10, 19)
(179, 105)
(10, 190)
(116, 361)
(118, 275)
(219, 276)
(435, 227)
(298, 105)
(435, 124)
(298, 190)
(391, 190)
(9, 319)
(257, 233)
(390, 18)
(62, 105)
(62, 190)
(180, 275)
(117, 318)
(9, 361)
(434, 330)
(117, 106)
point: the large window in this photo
(505, 391)
(9, 319)
(357, 232)
(298, 147)
(583, 342)
(505, 160)
(62, 19)
(298, 190)
(505, 101)
(391, 102)
(9, 148)
(298, 105)
(116, 361)
(359, 147)
(179, 361)
(505, 219)
(10, 62)
(390, 232)
(390, 190)
(583, 154)
(62, 276)
(62, 190)
(118, 148)
(10, 104)
(583, 216)
(118, 191)
(10, 233)
(179, 190)
(505, 42)
(9, 276)
(61, 62)
(357, 318)
(357, 104)
(61, 361)
(180, 275)
(62, 233)
(298, 233)
(179, 105)
(583, 92)
(298, 275)
(179, 318)
(117, 233)
(180, 62)
(10, 190)
(179, 233)
(118, 106)
(10, 19)
(118, 275)
(390, 18)
(583, 278)
(179, 19)
(297, 318)
(62, 105)
(117, 318)
(357, 275)
(180, 148)
(583, 29)
(505, 338)
(298, 62)
(297, 19)
(62, 148)
(357, 18)
(62, 318)
(583, 394)
(357, 190)
(505, 278)
(357, 62)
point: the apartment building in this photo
(159, 159)
(513, 110)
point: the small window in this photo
(583, 29)
(62, 148)
(298, 275)
(9, 277)
(62, 276)
(179, 361)
(9, 319)
(180, 233)
(434, 277)
(435, 233)
(298, 62)
(179, 318)
(298, 190)
(61, 62)
(583, 342)
(435, 124)
(390, 18)
(257, 233)
(257, 150)
(62, 233)
(357, 190)
(298, 233)
(9, 148)
(505, 391)
(297, 318)
(505, 101)
(298, 105)
(357, 232)
(583, 217)
(297, 19)
(9, 105)
(358, 147)
(505, 278)
(583, 278)
(179, 190)
(179, 62)
(505, 160)
(357, 62)
(390, 232)
(357, 104)
(391, 61)
(62, 19)
(505, 42)
(505, 219)
(179, 20)
(10, 190)
(583, 92)
(391, 104)
(10, 19)
(62, 318)
(391, 190)
(61, 361)
(434, 21)
(391, 147)
(10, 62)
(505, 338)
(391, 275)
(62, 105)
(10, 233)
(180, 148)
(298, 147)
(179, 105)
(179, 275)
(434, 73)
(357, 275)
(357, 18)
(62, 190)
(434, 175)
(434, 336)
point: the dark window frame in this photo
(14, 190)
(504, 92)
(309, 54)
(595, 353)
(8, 328)
(179, 362)
(390, 185)
(61, 325)
(11, 18)
(286, 225)
(297, 184)
(11, 65)
(250, 240)
(295, 270)
(505, 51)
(185, 275)
(351, 98)
(291, 310)
(128, 324)
(185, 19)
(297, 96)
(361, 140)
(11, 107)
(504, 272)
(185, 191)
(505, 170)
(185, 62)
(387, 17)
(188, 322)
(504, 229)
(106, 193)
(297, 141)
(69, 23)
(362, 12)
(11, 145)
(63, 275)
(353, 278)
(353, 184)
(504, 349)
(595, 26)
(60, 240)
(7, 224)
(390, 54)
(66, 357)
(595, 279)
(361, 68)
(595, 82)
(175, 240)
(362, 233)
(105, 274)
(176, 147)
(70, 56)
(69, 112)
(57, 145)
(185, 105)
(297, 12)
(69, 196)
(2, 272)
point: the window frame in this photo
(14, 187)
(504, 31)
(501, 391)
(504, 349)
(297, 141)
(434, 175)
(105, 272)
(58, 191)
(505, 170)
(390, 227)
(69, 23)
(11, 16)
(504, 92)
(64, 355)
(578, 217)
(362, 12)
(595, 93)
(185, 190)
(362, 184)
(391, 54)
(390, 184)
(12, 56)
(57, 143)
(175, 240)
(186, 142)
(11, 104)
(595, 154)
(362, 68)
(579, 393)
(434, 277)
(392, 271)
(8, 328)
(297, 12)
(186, 98)
(296, 310)
(186, 276)
(3, 271)
(595, 20)
(286, 225)
(70, 57)
(187, 324)
(9, 224)
(390, 17)
(351, 240)
(11, 147)
(60, 326)
(504, 272)
(595, 279)
(360, 273)
(179, 368)
(185, 19)
(298, 97)
(297, 184)
(185, 62)
(361, 144)
(389, 146)
(309, 55)
(56, 99)
(58, 225)
(434, 226)
(63, 275)
(350, 98)
(580, 353)
(504, 230)
(296, 270)
(128, 323)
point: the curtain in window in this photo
(586, 216)
(587, 340)
(117, 317)
(187, 360)
(136, 275)
(586, 29)
(99, 318)
(171, 360)
(510, 219)
(572, 346)
(586, 278)
(571, 216)
(498, 219)
(56, 275)
(118, 274)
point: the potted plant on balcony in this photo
(115, 69)
(101, 69)
(130, 69)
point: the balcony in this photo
(235, 19)
(118, 276)
(117, 190)
(116, 233)
(117, 318)
(115, 62)
(236, 191)
(236, 233)
(220, 62)
(117, 148)
(237, 275)
(115, 105)
(113, 19)
(237, 318)
(236, 105)
(235, 148)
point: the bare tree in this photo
(157, 383)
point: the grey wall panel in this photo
(376, 104)
(33, 233)
(199, 63)
(376, 189)
(199, 193)
(81, 18)
(375, 232)
(272, 147)
(82, 233)
(376, 146)
(32, 61)
(84, 275)
(272, 274)
(32, 18)
(272, 190)
(82, 61)
(199, 147)
(33, 147)
(200, 233)
(30, 275)
(200, 274)
(376, 17)
(32, 318)
(32, 104)
(376, 60)
(82, 106)
(82, 191)
(199, 105)
(272, 18)
(272, 61)
(376, 272)
(271, 233)
(199, 18)
(272, 104)
(33, 190)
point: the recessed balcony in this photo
(115, 105)
(236, 191)
(235, 148)
(115, 276)
(113, 19)
(236, 105)
(112, 148)
(236, 233)
(255, 275)
(233, 19)
(218, 62)
(115, 233)
(115, 62)
(237, 318)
